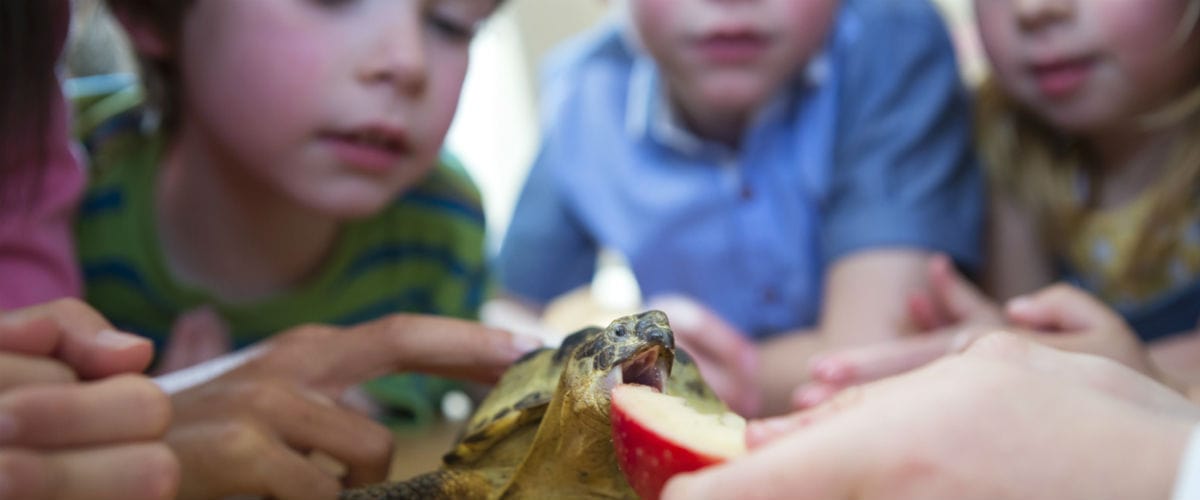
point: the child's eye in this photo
(453, 29)
(333, 3)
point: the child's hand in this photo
(249, 430)
(1027, 411)
(196, 336)
(1070, 319)
(62, 439)
(951, 300)
(1060, 316)
(726, 359)
(75, 335)
(950, 314)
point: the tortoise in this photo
(544, 431)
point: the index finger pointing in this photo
(335, 359)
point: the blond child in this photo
(1089, 127)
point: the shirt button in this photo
(770, 295)
(747, 193)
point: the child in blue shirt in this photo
(789, 165)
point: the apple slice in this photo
(657, 436)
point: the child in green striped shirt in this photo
(284, 168)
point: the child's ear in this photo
(145, 37)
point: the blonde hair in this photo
(1044, 171)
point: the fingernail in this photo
(1019, 303)
(525, 343)
(8, 428)
(830, 371)
(118, 340)
(809, 397)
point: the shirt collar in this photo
(650, 113)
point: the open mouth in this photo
(648, 368)
(371, 150)
(374, 139)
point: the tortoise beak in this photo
(649, 367)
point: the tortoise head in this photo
(635, 349)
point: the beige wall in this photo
(544, 23)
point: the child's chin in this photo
(353, 208)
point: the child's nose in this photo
(1034, 13)
(398, 58)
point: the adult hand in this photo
(249, 430)
(63, 439)
(727, 360)
(965, 427)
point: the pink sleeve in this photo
(37, 247)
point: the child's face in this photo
(731, 56)
(338, 105)
(1090, 65)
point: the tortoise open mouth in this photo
(649, 368)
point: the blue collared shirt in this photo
(869, 146)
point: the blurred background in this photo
(495, 132)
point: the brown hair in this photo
(1041, 169)
(31, 35)
(160, 76)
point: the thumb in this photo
(75, 334)
(1059, 307)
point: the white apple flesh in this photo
(657, 435)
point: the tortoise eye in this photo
(619, 330)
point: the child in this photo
(1089, 128)
(96, 439)
(788, 164)
(288, 172)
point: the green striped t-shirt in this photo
(423, 254)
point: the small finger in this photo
(960, 298)
(226, 457)
(1058, 308)
(73, 332)
(144, 471)
(338, 359)
(125, 408)
(308, 421)
(882, 359)
(17, 370)
(286, 475)
(734, 391)
(922, 312)
(813, 394)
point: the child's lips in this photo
(372, 150)
(732, 48)
(1061, 78)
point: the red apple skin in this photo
(647, 457)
